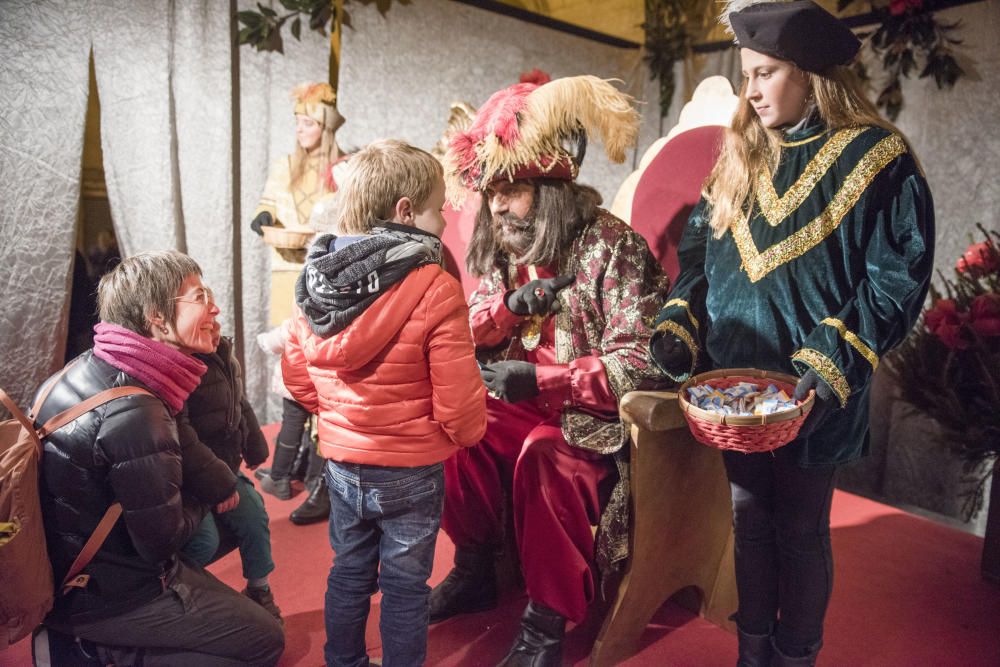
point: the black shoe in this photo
(316, 507)
(470, 586)
(265, 599)
(279, 488)
(539, 642)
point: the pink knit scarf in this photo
(170, 373)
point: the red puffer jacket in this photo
(400, 385)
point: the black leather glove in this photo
(510, 381)
(671, 354)
(538, 297)
(825, 401)
(263, 219)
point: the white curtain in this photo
(183, 169)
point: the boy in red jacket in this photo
(380, 349)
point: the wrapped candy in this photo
(741, 399)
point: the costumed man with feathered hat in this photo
(562, 321)
(811, 253)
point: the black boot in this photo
(316, 507)
(539, 642)
(779, 659)
(302, 456)
(276, 480)
(755, 650)
(470, 586)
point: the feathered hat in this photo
(319, 102)
(524, 131)
(800, 31)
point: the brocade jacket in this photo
(606, 313)
(829, 273)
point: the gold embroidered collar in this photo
(774, 209)
(759, 263)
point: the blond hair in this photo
(749, 148)
(322, 158)
(143, 286)
(378, 177)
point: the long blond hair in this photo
(749, 148)
(325, 155)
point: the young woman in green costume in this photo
(810, 253)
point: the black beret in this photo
(799, 31)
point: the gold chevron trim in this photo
(854, 341)
(758, 264)
(682, 333)
(687, 309)
(827, 370)
(775, 209)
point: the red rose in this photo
(979, 259)
(898, 7)
(944, 321)
(985, 314)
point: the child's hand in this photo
(229, 503)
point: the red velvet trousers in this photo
(557, 495)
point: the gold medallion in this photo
(531, 332)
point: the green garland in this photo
(262, 29)
(667, 41)
(908, 34)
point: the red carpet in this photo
(907, 592)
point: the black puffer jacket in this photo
(220, 413)
(125, 451)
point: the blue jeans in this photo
(784, 563)
(247, 523)
(383, 529)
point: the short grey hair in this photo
(142, 286)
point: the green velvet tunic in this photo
(829, 273)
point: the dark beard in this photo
(514, 235)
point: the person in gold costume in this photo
(298, 185)
(298, 181)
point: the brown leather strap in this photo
(69, 414)
(48, 389)
(100, 533)
(89, 549)
(16, 413)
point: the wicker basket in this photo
(749, 433)
(287, 237)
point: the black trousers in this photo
(784, 563)
(197, 621)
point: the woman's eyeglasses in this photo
(204, 296)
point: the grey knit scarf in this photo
(338, 285)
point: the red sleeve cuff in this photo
(555, 386)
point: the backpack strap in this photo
(73, 577)
(95, 401)
(48, 389)
(16, 413)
